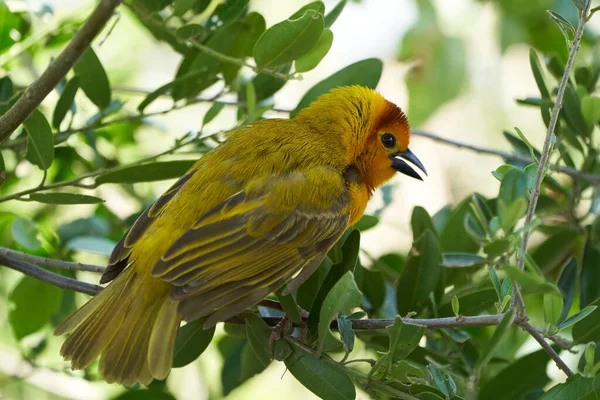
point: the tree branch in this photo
(49, 277)
(67, 265)
(573, 173)
(548, 142)
(58, 69)
(540, 339)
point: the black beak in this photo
(400, 165)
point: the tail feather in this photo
(118, 325)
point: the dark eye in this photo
(388, 140)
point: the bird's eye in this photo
(388, 140)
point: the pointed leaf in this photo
(496, 340)
(311, 59)
(319, 376)
(341, 299)
(40, 141)
(93, 79)
(156, 171)
(365, 73)
(64, 198)
(65, 101)
(288, 40)
(190, 343)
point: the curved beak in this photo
(400, 165)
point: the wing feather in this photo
(255, 242)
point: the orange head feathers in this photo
(373, 131)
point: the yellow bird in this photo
(258, 212)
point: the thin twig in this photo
(232, 60)
(46, 276)
(58, 69)
(573, 173)
(49, 262)
(517, 299)
(540, 339)
(541, 168)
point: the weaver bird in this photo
(258, 212)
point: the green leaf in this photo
(421, 222)
(507, 286)
(461, 260)
(564, 25)
(212, 112)
(316, 6)
(576, 387)
(530, 283)
(575, 318)
(40, 142)
(350, 251)
(335, 13)
(64, 198)
(193, 32)
(588, 329)
(366, 222)
(566, 283)
(455, 305)
(250, 364)
(373, 287)
(180, 7)
(33, 303)
(319, 376)
(364, 73)
(190, 343)
(590, 274)
(495, 282)
(590, 107)
(341, 299)
(288, 303)
(556, 249)
(497, 247)
(421, 274)
(573, 113)
(443, 381)
(258, 334)
(226, 12)
(509, 382)
(93, 79)
(6, 89)
(156, 171)
(404, 338)
(65, 101)
(553, 306)
(346, 332)
(307, 292)
(454, 237)
(288, 40)
(536, 68)
(25, 233)
(231, 350)
(501, 330)
(311, 59)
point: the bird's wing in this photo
(119, 258)
(254, 242)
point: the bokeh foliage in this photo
(462, 260)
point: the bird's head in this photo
(373, 131)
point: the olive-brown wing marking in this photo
(242, 250)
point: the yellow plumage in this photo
(259, 211)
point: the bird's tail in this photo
(131, 325)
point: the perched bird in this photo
(256, 213)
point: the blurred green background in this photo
(456, 67)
